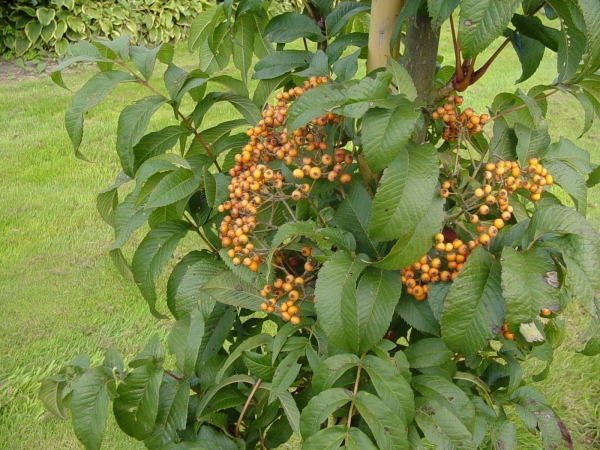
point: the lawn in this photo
(60, 294)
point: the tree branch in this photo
(245, 408)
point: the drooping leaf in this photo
(89, 406)
(243, 45)
(172, 413)
(93, 92)
(291, 410)
(328, 438)
(331, 369)
(144, 59)
(401, 79)
(474, 307)
(530, 53)
(50, 394)
(314, 103)
(405, 193)
(340, 15)
(156, 143)
(336, 300)
(151, 255)
(185, 339)
(571, 43)
(428, 352)
(285, 374)
(418, 314)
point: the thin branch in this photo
(351, 410)
(209, 245)
(309, 10)
(245, 408)
(172, 375)
(537, 10)
(458, 65)
(481, 71)
(315, 209)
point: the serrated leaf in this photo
(385, 132)
(391, 387)
(156, 143)
(336, 299)
(481, 22)
(93, 92)
(532, 142)
(590, 13)
(413, 245)
(244, 106)
(346, 67)
(328, 438)
(503, 435)
(320, 407)
(440, 427)
(144, 59)
(567, 152)
(172, 413)
(331, 369)
(202, 25)
(290, 26)
(259, 365)
(405, 192)
(228, 288)
(133, 121)
(592, 347)
(89, 406)
(401, 79)
(418, 314)
(533, 28)
(530, 53)
(571, 43)
(291, 410)
(266, 88)
(474, 307)
(152, 253)
(447, 394)
(428, 352)
(388, 429)
(179, 184)
(248, 344)
(571, 181)
(337, 19)
(119, 46)
(526, 286)
(336, 48)
(441, 10)
(285, 374)
(108, 198)
(185, 339)
(314, 103)
(280, 63)
(243, 44)
(377, 294)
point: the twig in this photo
(189, 220)
(315, 209)
(351, 410)
(245, 408)
(516, 108)
(172, 375)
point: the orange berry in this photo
(345, 178)
(545, 311)
(484, 239)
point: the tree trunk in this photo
(383, 18)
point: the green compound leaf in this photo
(474, 307)
(388, 429)
(405, 193)
(320, 407)
(336, 299)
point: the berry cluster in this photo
(502, 178)
(442, 263)
(456, 124)
(254, 183)
(289, 287)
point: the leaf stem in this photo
(516, 108)
(245, 408)
(351, 410)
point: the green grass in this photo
(60, 294)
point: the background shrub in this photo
(36, 25)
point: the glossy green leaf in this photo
(530, 53)
(177, 185)
(152, 253)
(533, 28)
(144, 59)
(405, 192)
(474, 307)
(336, 300)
